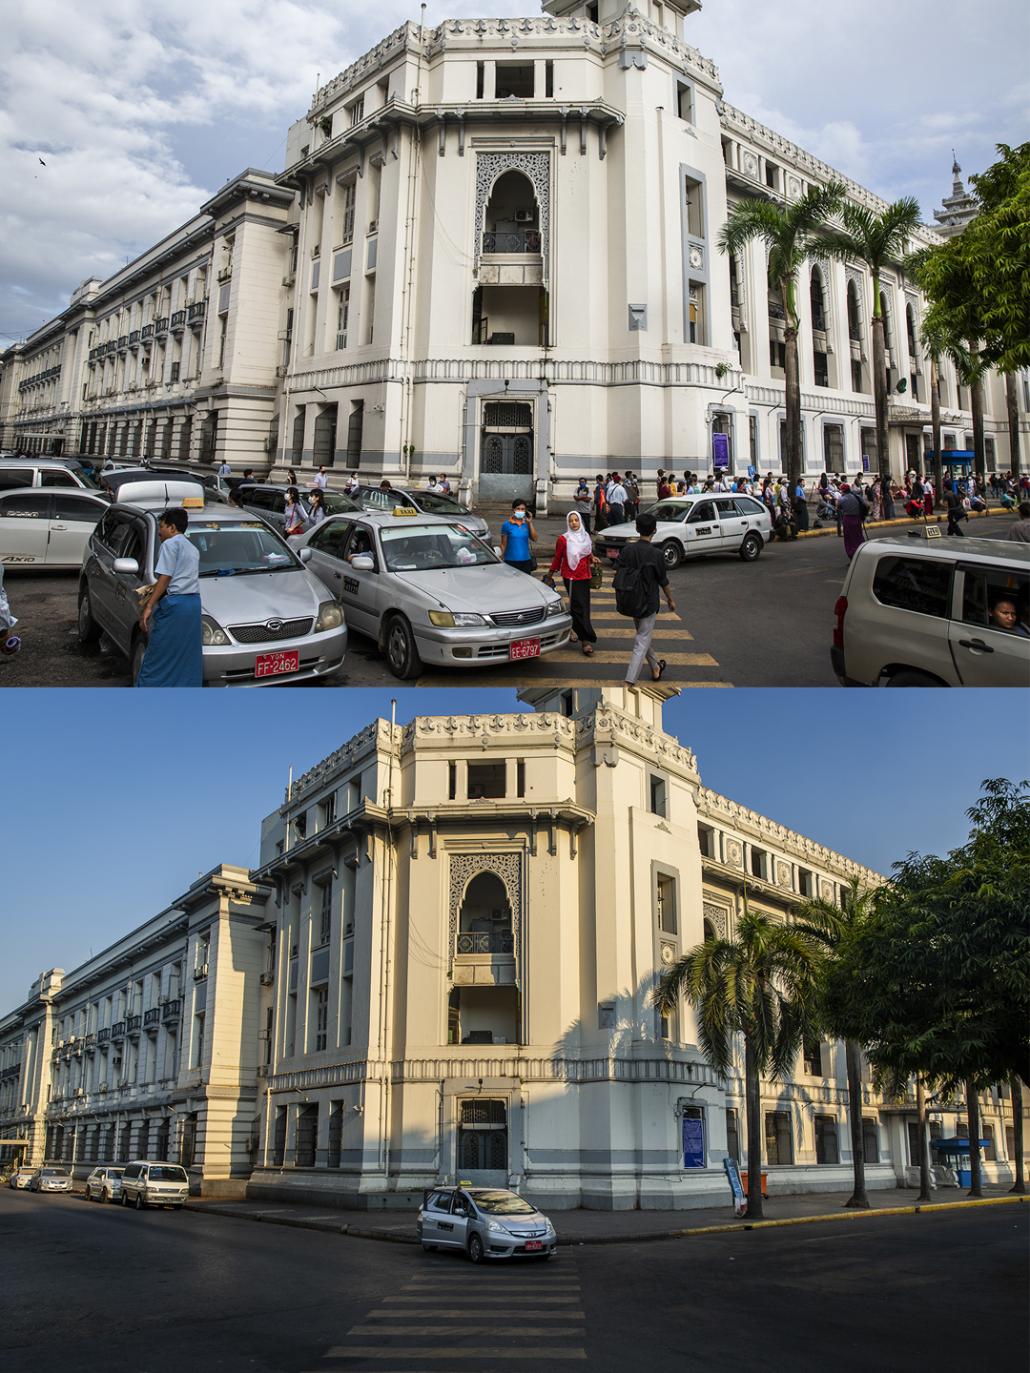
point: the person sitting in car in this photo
(1005, 615)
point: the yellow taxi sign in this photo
(193, 503)
(404, 510)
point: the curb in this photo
(731, 1227)
(889, 524)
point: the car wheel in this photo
(401, 653)
(672, 553)
(139, 648)
(88, 629)
(913, 679)
(476, 1249)
(428, 1248)
(751, 548)
(139, 1201)
(125, 1200)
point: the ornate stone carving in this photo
(734, 853)
(825, 889)
(537, 167)
(463, 868)
(783, 874)
(794, 187)
(750, 164)
(697, 256)
(717, 915)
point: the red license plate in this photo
(613, 553)
(524, 648)
(277, 664)
(533, 1244)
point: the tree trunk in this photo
(973, 1112)
(853, 1059)
(883, 459)
(1012, 410)
(924, 1158)
(935, 423)
(976, 405)
(793, 405)
(1017, 1129)
(753, 1095)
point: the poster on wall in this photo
(721, 451)
(693, 1142)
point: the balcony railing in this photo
(776, 311)
(172, 1010)
(472, 942)
(152, 1018)
(118, 1030)
(161, 325)
(123, 343)
(133, 338)
(103, 1036)
(178, 320)
(521, 241)
(146, 332)
(195, 312)
(133, 1023)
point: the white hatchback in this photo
(42, 527)
(691, 526)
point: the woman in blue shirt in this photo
(517, 536)
(171, 616)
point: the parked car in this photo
(18, 472)
(41, 527)
(20, 1178)
(270, 502)
(429, 591)
(104, 1184)
(925, 612)
(265, 616)
(691, 526)
(154, 1183)
(425, 502)
(51, 1180)
(484, 1222)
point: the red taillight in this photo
(839, 611)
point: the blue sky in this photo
(142, 111)
(113, 802)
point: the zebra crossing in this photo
(688, 666)
(453, 1315)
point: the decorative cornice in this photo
(609, 725)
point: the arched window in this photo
(910, 321)
(708, 929)
(484, 923)
(854, 314)
(818, 298)
(512, 222)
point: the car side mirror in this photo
(128, 565)
(306, 555)
(362, 562)
(498, 551)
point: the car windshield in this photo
(55, 1172)
(430, 547)
(439, 505)
(668, 513)
(115, 1172)
(167, 1174)
(233, 550)
(502, 1204)
(335, 504)
(86, 477)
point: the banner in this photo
(693, 1142)
(721, 450)
(736, 1185)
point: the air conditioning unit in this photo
(80, 1091)
(262, 1070)
(72, 1039)
(199, 971)
(316, 251)
(267, 979)
(102, 1087)
(373, 226)
(524, 216)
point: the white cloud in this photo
(137, 108)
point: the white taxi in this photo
(47, 527)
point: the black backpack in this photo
(630, 590)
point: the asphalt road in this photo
(105, 1288)
(762, 624)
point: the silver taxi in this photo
(691, 526)
(51, 1180)
(428, 591)
(484, 1223)
(266, 618)
(425, 502)
(932, 612)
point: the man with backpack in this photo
(639, 574)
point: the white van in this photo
(152, 1183)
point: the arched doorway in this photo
(483, 1142)
(483, 1003)
(506, 451)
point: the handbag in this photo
(596, 576)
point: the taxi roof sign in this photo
(405, 510)
(193, 503)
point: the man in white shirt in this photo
(616, 497)
(321, 479)
(224, 469)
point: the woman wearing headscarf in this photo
(574, 559)
(853, 512)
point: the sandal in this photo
(657, 676)
(588, 650)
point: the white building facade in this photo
(493, 253)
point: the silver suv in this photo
(151, 1183)
(934, 612)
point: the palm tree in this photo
(828, 924)
(876, 240)
(790, 232)
(762, 985)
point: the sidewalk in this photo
(617, 1227)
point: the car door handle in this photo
(977, 645)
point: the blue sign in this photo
(736, 1184)
(721, 450)
(751, 471)
(693, 1142)
(865, 462)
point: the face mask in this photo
(519, 515)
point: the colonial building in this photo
(175, 357)
(151, 1049)
(443, 968)
(493, 253)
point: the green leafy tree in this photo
(937, 981)
(762, 985)
(829, 923)
(878, 240)
(790, 232)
